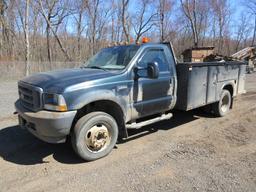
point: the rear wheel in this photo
(222, 107)
(94, 135)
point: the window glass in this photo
(115, 58)
(155, 55)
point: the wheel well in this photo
(229, 88)
(108, 107)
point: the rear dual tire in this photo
(222, 107)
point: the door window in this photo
(155, 55)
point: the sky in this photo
(237, 7)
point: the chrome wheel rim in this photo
(97, 138)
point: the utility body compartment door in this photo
(197, 87)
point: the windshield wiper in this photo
(94, 67)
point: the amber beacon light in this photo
(145, 40)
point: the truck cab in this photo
(121, 87)
(153, 77)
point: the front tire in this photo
(222, 107)
(94, 135)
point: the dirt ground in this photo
(191, 152)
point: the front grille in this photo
(30, 96)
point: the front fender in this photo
(78, 100)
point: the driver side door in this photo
(152, 96)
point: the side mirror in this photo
(153, 70)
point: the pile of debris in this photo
(248, 53)
(207, 54)
(219, 58)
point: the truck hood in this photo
(57, 81)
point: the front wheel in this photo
(94, 135)
(222, 107)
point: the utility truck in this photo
(122, 87)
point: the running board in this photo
(148, 122)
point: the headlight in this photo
(54, 102)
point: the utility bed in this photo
(200, 84)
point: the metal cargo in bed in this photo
(200, 84)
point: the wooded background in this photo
(44, 33)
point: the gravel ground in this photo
(8, 95)
(191, 152)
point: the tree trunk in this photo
(27, 38)
(254, 32)
(49, 55)
(124, 22)
(79, 32)
(196, 39)
(162, 6)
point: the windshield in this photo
(112, 58)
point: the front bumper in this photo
(49, 126)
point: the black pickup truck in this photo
(122, 87)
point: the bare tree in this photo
(143, 21)
(98, 15)
(162, 18)
(117, 25)
(189, 8)
(3, 7)
(37, 29)
(164, 10)
(242, 31)
(222, 13)
(81, 7)
(196, 12)
(27, 68)
(48, 18)
(251, 6)
(124, 7)
(93, 9)
(7, 20)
